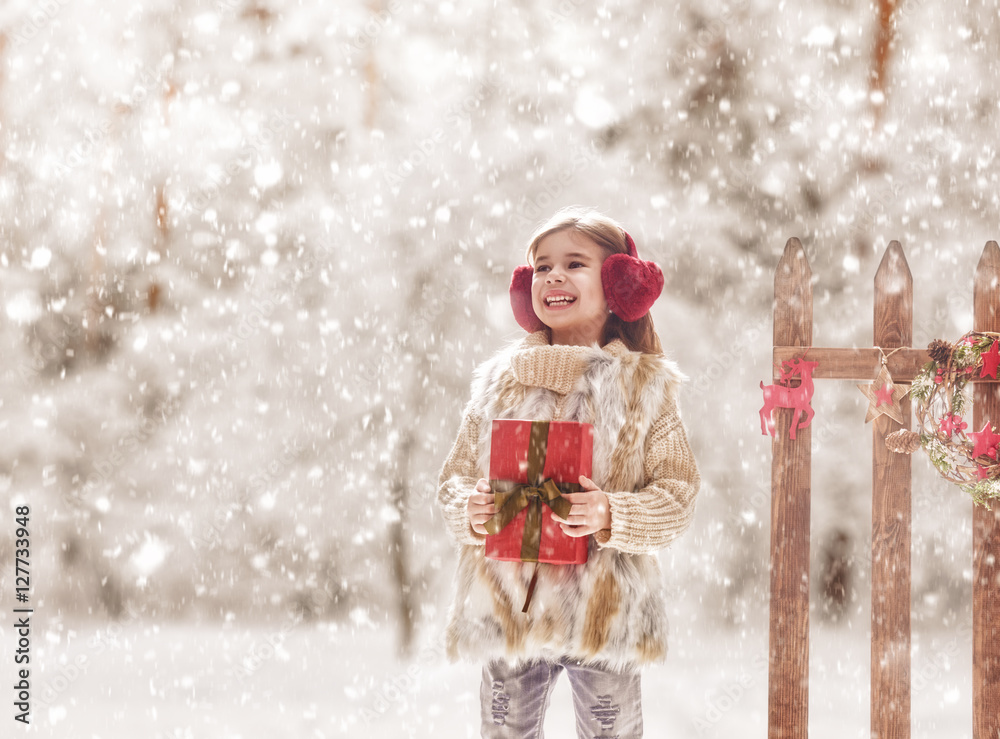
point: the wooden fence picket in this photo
(986, 526)
(890, 652)
(788, 681)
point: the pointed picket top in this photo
(893, 299)
(793, 264)
(893, 274)
(987, 317)
(793, 309)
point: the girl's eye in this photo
(545, 267)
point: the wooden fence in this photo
(788, 675)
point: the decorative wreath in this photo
(941, 397)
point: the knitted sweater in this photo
(609, 610)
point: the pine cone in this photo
(903, 441)
(940, 352)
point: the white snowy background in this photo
(251, 250)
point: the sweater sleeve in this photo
(653, 516)
(458, 481)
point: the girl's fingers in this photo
(579, 511)
(480, 509)
(576, 531)
(586, 498)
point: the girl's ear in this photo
(520, 299)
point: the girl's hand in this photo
(480, 507)
(590, 513)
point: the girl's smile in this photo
(566, 290)
(557, 299)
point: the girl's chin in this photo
(568, 325)
(569, 312)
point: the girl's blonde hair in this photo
(638, 336)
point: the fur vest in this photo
(609, 611)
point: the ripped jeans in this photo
(514, 699)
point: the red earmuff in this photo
(520, 299)
(631, 286)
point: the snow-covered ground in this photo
(319, 680)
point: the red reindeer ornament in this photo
(796, 398)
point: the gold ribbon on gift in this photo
(512, 497)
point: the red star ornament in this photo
(991, 360)
(950, 424)
(986, 442)
(884, 396)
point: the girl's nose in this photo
(554, 275)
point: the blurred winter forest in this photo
(252, 250)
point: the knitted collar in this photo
(556, 367)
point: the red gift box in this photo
(563, 451)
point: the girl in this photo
(592, 356)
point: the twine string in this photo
(885, 357)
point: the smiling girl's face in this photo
(566, 290)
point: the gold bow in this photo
(512, 498)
